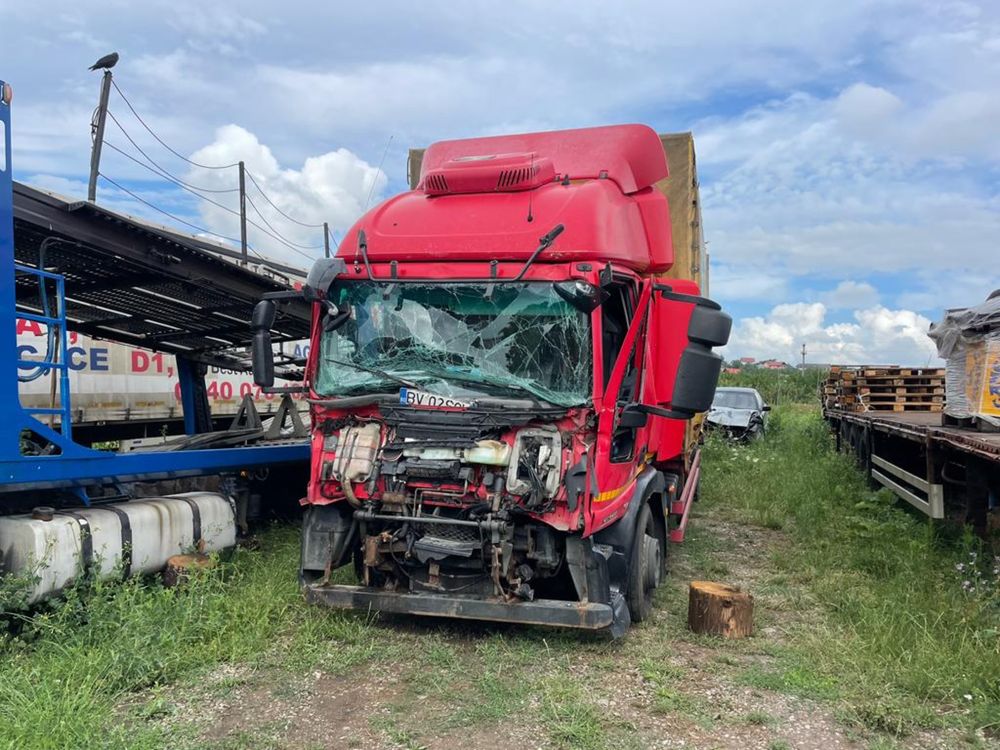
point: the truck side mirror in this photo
(333, 317)
(698, 372)
(262, 355)
(697, 376)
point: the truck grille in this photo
(447, 531)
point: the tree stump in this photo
(719, 609)
(179, 568)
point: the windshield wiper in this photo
(373, 371)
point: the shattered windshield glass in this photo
(453, 340)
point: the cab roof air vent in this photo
(488, 174)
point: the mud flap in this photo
(588, 567)
(327, 531)
(621, 619)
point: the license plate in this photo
(425, 400)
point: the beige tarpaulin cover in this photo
(681, 189)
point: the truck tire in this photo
(645, 566)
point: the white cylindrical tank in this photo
(127, 538)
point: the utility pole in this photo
(326, 240)
(803, 356)
(243, 212)
(97, 132)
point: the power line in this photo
(275, 236)
(183, 186)
(261, 190)
(377, 172)
(208, 231)
(281, 236)
(192, 189)
(178, 183)
(160, 140)
(160, 171)
(172, 216)
(197, 190)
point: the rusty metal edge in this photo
(547, 612)
(966, 441)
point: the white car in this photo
(741, 412)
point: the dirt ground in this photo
(441, 685)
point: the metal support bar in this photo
(194, 398)
(683, 506)
(87, 467)
(912, 479)
(243, 212)
(932, 505)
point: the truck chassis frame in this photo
(943, 471)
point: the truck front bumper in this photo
(550, 612)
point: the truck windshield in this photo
(457, 340)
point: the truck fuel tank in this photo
(51, 549)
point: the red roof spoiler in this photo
(630, 155)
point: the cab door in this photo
(621, 443)
(669, 439)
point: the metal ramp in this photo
(75, 266)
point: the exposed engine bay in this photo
(470, 502)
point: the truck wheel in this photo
(646, 568)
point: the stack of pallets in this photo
(884, 389)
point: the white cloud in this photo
(332, 187)
(851, 295)
(873, 152)
(842, 186)
(878, 336)
(865, 109)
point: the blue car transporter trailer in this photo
(64, 463)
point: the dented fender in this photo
(621, 534)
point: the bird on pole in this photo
(107, 62)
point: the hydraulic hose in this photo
(50, 342)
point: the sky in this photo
(848, 151)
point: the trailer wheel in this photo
(646, 566)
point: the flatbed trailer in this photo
(944, 471)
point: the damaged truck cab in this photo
(500, 382)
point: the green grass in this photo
(859, 609)
(901, 643)
(759, 718)
(570, 719)
(64, 670)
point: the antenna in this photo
(371, 191)
(531, 192)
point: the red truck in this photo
(501, 378)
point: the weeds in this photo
(872, 604)
(899, 623)
(68, 665)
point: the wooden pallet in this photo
(869, 388)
